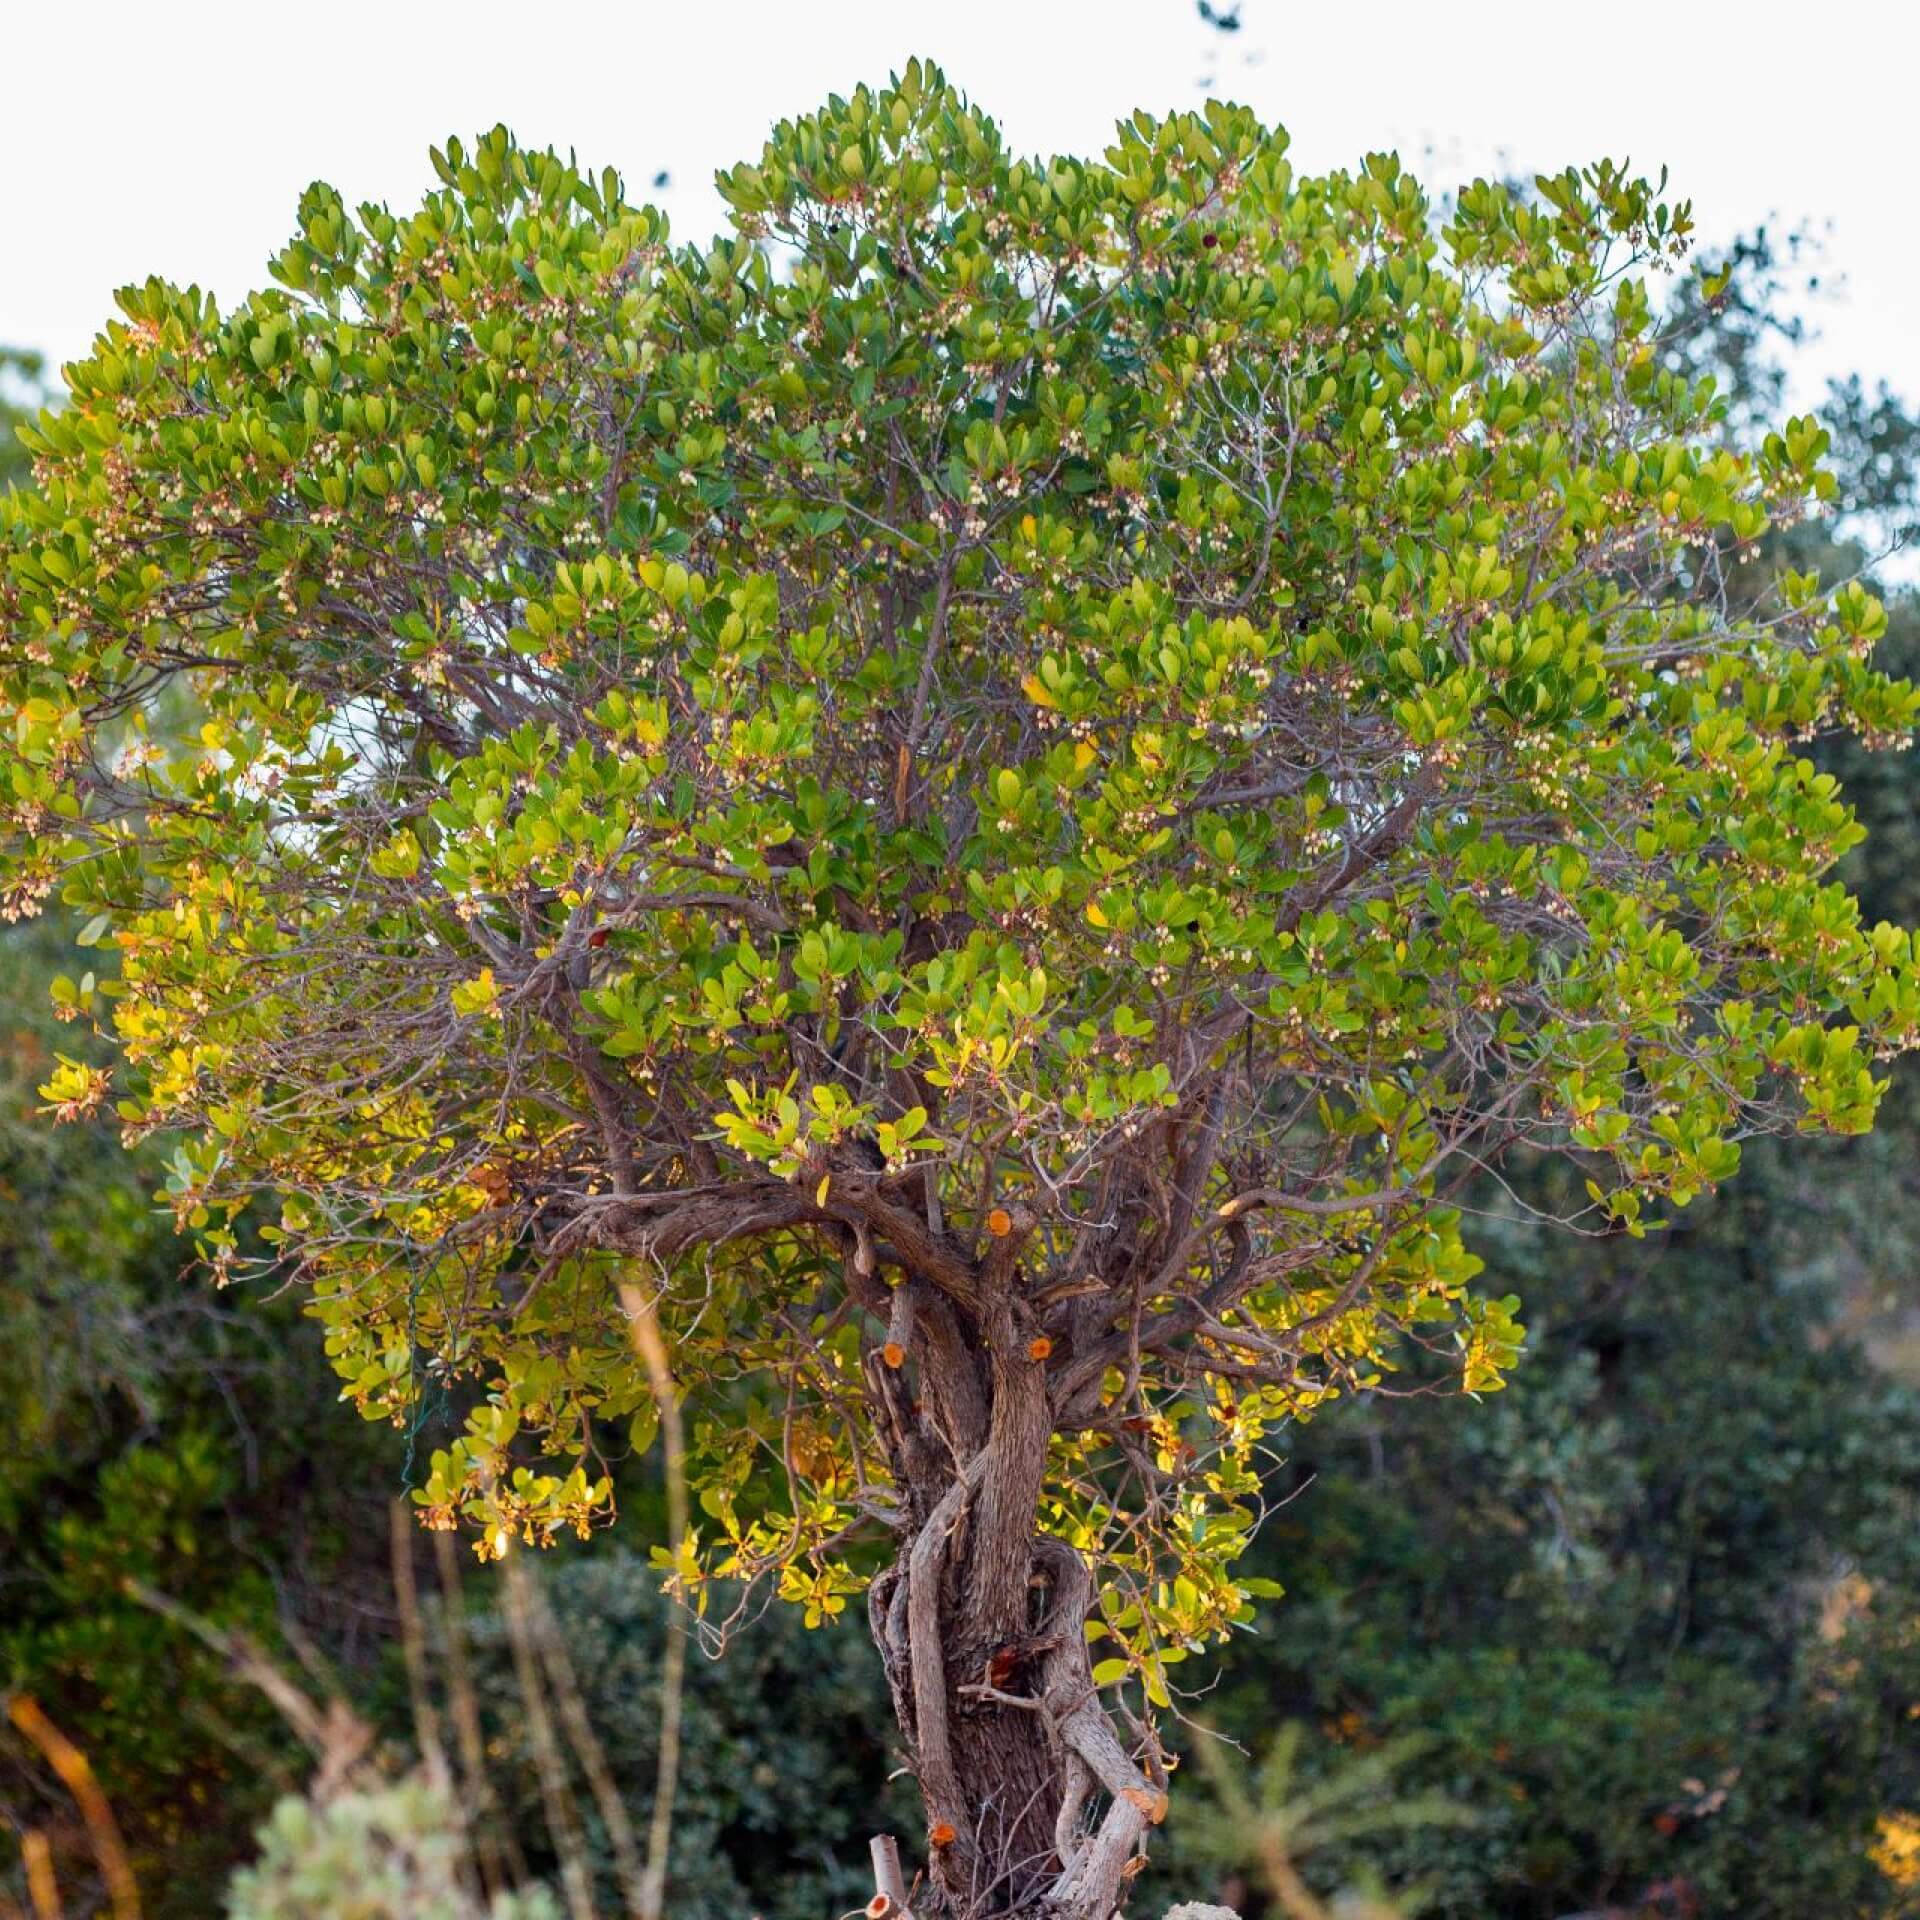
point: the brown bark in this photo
(980, 1623)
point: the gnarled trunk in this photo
(1034, 1804)
(1035, 1807)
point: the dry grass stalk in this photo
(42, 1889)
(556, 1790)
(413, 1643)
(643, 1328)
(578, 1724)
(77, 1776)
(501, 1862)
(335, 1735)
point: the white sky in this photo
(175, 136)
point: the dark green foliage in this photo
(1619, 1580)
(79, 1245)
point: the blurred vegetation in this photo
(1651, 1619)
(1266, 1829)
(390, 1853)
(1653, 1613)
(24, 390)
(786, 1744)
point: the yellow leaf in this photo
(481, 994)
(820, 1193)
(1036, 690)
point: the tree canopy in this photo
(998, 788)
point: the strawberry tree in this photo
(1003, 793)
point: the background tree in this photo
(1650, 1615)
(785, 1744)
(997, 826)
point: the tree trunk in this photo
(1035, 1808)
